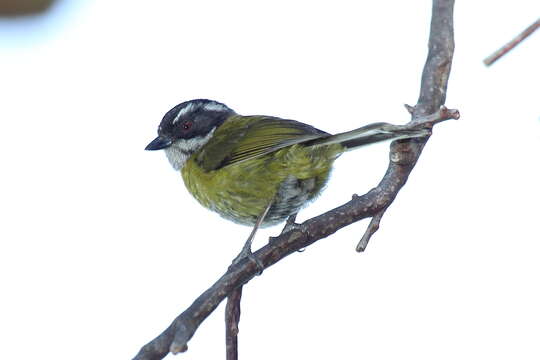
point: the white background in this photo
(102, 246)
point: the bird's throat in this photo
(182, 149)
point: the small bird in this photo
(256, 170)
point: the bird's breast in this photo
(288, 179)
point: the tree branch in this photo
(232, 318)
(403, 156)
(512, 43)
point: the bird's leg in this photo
(290, 225)
(246, 249)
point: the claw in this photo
(246, 253)
(290, 225)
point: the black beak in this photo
(159, 143)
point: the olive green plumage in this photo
(253, 161)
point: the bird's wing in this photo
(243, 138)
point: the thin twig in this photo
(512, 43)
(403, 157)
(232, 318)
(371, 229)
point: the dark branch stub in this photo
(410, 108)
(371, 229)
(403, 157)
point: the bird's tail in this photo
(371, 134)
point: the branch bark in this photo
(232, 318)
(403, 156)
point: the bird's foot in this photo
(290, 225)
(246, 253)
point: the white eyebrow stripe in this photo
(182, 112)
(215, 107)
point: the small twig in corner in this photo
(512, 44)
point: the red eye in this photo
(187, 125)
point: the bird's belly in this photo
(291, 196)
(241, 192)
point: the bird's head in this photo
(187, 127)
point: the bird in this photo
(256, 170)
